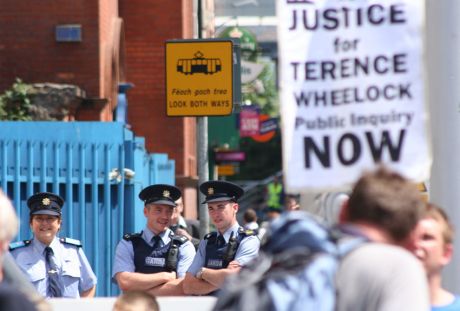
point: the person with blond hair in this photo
(434, 248)
(9, 225)
(136, 301)
(15, 293)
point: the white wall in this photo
(106, 304)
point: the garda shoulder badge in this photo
(70, 241)
(130, 236)
(246, 232)
(19, 244)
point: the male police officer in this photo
(57, 267)
(154, 260)
(223, 252)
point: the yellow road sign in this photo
(422, 188)
(226, 170)
(199, 77)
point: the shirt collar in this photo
(147, 235)
(181, 222)
(40, 247)
(229, 231)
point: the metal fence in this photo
(97, 167)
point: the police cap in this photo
(219, 190)
(160, 194)
(45, 203)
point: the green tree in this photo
(268, 99)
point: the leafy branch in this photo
(15, 102)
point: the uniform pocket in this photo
(71, 269)
(36, 272)
(71, 278)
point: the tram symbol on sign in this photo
(199, 64)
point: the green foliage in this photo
(15, 102)
(268, 100)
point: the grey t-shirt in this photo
(381, 277)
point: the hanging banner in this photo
(249, 122)
(352, 90)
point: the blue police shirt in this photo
(75, 272)
(124, 253)
(247, 250)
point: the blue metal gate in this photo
(97, 167)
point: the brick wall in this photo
(148, 24)
(28, 49)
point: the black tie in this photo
(156, 241)
(220, 241)
(53, 275)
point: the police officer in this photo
(223, 252)
(154, 260)
(57, 267)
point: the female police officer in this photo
(57, 267)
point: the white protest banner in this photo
(352, 90)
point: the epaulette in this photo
(129, 236)
(70, 241)
(246, 232)
(19, 244)
(210, 235)
(180, 239)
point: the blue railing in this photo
(97, 167)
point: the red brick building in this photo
(114, 41)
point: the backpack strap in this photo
(70, 241)
(19, 244)
(347, 239)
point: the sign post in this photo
(201, 76)
(352, 90)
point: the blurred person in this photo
(9, 225)
(434, 248)
(13, 276)
(271, 213)
(154, 260)
(135, 301)
(12, 299)
(222, 252)
(57, 267)
(250, 220)
(12, 295)
(274, 192)
(190, 228)
(292, 203)
(384, 208)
